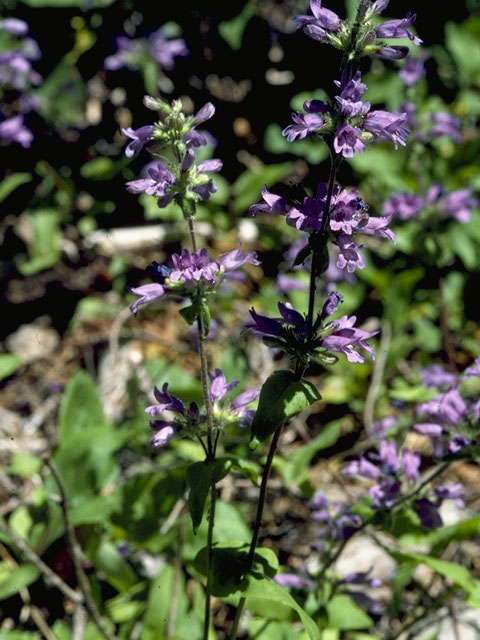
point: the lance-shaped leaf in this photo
(200, 477)
(281, 397)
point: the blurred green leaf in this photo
(12, 182)
(312, 149)
(82, 4)
(103, 168)
(247, 188)
(344, 614)
(21, 577)
(9, 363)
(44, 250)
(232, 30)
(297, 463)
(263, 591)
(118, 572)
(465, 49)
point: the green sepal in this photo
(302, 255)
(197, 309)
(281, 397)
(200, 477)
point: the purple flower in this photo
(15, 26)
(435, 376)
(148, 293)
(361, 467)
(412, 71)
(292, 580)
(13, 130)
(458, 205)
(323, 19)
(285, 284)
(403, 205)
(139, 137)
(349, 255)
(411, 463)
(474, 370)
(387, 125)
(346, 339)
(347, 141)
(375, 226)
(457, 443)
(454, 492)
(304, 124)
(399, 29)
(384, 493)
(218, 385)
(444, 124)
(350, 97)
(160, 178)
(235, 259)
(331, 304)
(164, 435)
(447, 408)
(428, 514)
(164, 51)
(167, 402)
(271, 204)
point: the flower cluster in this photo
(190, 275)
(181, 178)
(189, 421)
(337, 520)
(132, 53)
(449, 419)
(456, 204)
(348, 214)
(349, 120)
(292, 334)
(18, 78)
(364, 36)
(387, 468)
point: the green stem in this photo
(211, 447)
(315, 254)
(258, 522)
(208, 587)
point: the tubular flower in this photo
(290, 333)
(188, 275)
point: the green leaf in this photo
(232, 30)
(465, 49)
(229, 561)
(246, 467)
(159, 604)
(455, 572)
(62, 94)
(281, 397)
(200, 477)
(103, 168)
(19, 578)
(247, 187)
(312, 149)
(12, 182)
(258, 592)
(24, 464)
(298, 462)
(343, 613)
(116, 569)
(87, 442)
(9, 363)
(44, 250)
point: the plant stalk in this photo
(258, 522)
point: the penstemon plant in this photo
(330, 219)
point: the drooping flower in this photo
(386, 125)
(14, 130)
(139, 137)
(412, 70)
(303, 125)
(189, 274)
